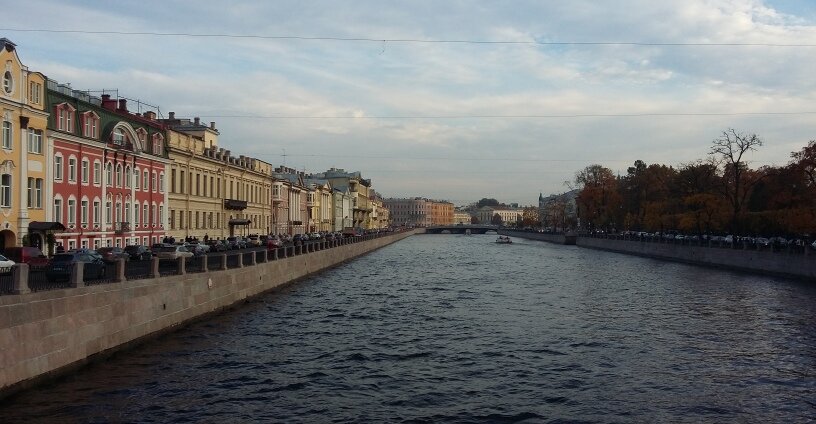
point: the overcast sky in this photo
(448, 120)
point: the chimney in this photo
(122, 105)
(212, 125)
(171, 115)
(108, 103)
(197, 121)
(150, 115)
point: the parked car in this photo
(236, 243)
(172, 252)
(299, 239)
(112, 254)
(253, 241)
(196, 248)
(217, 245)
(138, 252)
(63, 263)
(27, 255)
(5, 265)
(273, 242)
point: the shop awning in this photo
(239, 222)
(46, 226)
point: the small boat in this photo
(504, 240)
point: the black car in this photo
(138, 252)
(217, 245)
(63, 263)
(299, 239)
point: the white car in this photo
(172, 252)
(5, 265)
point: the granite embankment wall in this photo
(765, 261)
(49, 333)
(552, 238)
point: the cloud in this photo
(247, 85)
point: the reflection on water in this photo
(454, 328)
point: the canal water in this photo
(455, 328)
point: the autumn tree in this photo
(529, 216)
(497, 219)
(599, 202)
(737, 179)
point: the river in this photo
(455, 328)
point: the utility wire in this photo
(543, 116)
(407, 40)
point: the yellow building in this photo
(213, 193)
(22, 159)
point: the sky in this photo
(454, 100)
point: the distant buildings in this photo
(558, 212)
(82, 170)
(419, 211)
(508, 215)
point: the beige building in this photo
(23, 162)
(360, 191)
(211, 192)
(419, 211)
(509, 216)
(462, 218)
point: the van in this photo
(30, 255)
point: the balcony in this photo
(121, 227)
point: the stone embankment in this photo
(48, 333)
(787, 262)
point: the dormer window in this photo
(8, 82)
(158, 144)
(65, 117)
(90, 125)
(118, 137)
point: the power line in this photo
(409, 40)
(543, 116)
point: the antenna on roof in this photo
(284, 158)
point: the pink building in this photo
(108, 171)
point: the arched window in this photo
(109, 174)
(119, 175)
(128, 176)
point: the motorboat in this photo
(504, 240)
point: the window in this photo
(84, 212)
(172, 219)
(145, 216)
(97, 173)
(153, 182)
(58, 210)
(118, 137)
(90, 123)
(5, 190)
(119, 175)
(161, 215)
(84, 170)
(172, 181)
(135, 215)
(145, 180)
(35, 92)
(128, 176)
(109, 174)
(58, 168)
(136, 178)
(8, 82)
(7, 139)
(71, 211)
(161, 183)
(97, 211)
(35, 186)
(126, 218)
(108, 211)
(34, 141)
(72, 169)
(119, 211)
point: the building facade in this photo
(419, 212)
(108, 171)
(23, 153)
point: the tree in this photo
(529, 216)
(497, 219)
(599, 200)
(737, 179)
(487, 202)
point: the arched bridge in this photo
(461, 229)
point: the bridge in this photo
(461, 229)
